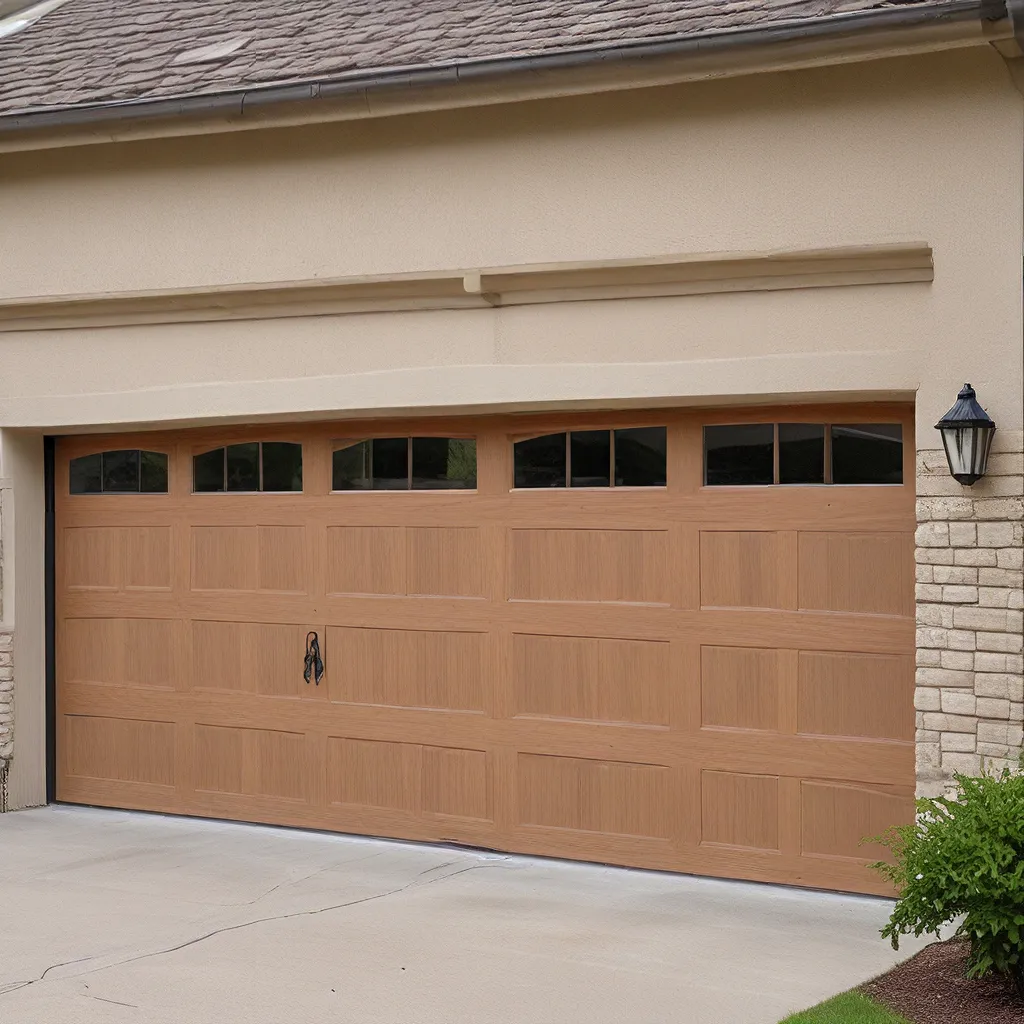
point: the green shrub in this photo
(965, 856)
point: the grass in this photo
(851, 1008)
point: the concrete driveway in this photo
(109, 916)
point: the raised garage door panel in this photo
(708, 679)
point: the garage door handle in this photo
(314, 664)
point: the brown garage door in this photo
(673, 640)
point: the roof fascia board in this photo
(873, 35)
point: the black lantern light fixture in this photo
(967, 433)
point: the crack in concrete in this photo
(14, 986)
(299, 881)
(114, 1001)
(415, 883)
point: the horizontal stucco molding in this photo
(892, 375)
(659, 276)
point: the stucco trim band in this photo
(659, 276)
(876, 375)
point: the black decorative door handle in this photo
(313, 667)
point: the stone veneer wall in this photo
(970, 616)
(6, 689)
(6, 712)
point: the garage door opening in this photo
(672, 639)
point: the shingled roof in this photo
(87, 52)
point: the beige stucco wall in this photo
(924, 149)
(23, 525)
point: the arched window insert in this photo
(626, 457)
(127, 471)
(269, 466)
(405, 463)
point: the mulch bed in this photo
(931, 989)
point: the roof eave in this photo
(862, 36)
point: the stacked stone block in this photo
(6, 712)
(6, 696)
(970, 617)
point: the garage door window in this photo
(629, 457)
(740, 455)
(752, 454)
(801, 453)
(274, 466)
(867, 453)
(130, 471)
(405, 463)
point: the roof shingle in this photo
(113, 51)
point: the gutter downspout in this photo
(846, 37)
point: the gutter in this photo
(844, 38)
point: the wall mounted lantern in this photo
(967, 433)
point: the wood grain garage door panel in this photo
(745, 570)
(148, 558)
(443, 561)
(707, 679)
(837, 818)
(411, 777)
(119, 749)
(456, 782)
(251, 762)
(92, 558)
(620, 566)
(856, 572)
(249, 657)
(607, 797)
(869, 695)
(407, 668)
(740, 687)
(117, 558)
(121, 652)
(421, 561)
(740, 810)
(249, 558)
(592, 679)
(366, 560)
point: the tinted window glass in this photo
(86, 475)
(390, 463)
(351, 468)
(121, 471)
(244, 467)
(540, 461)
(153, 472)
(590, 458)
(282, 466)
(208, 471)
(743, 454)
(867, 453)
(443, 463)
(462, 461)
(640, 457)
(801, 453)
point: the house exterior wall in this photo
(22, 627)
(922, 149)
(6, 650)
